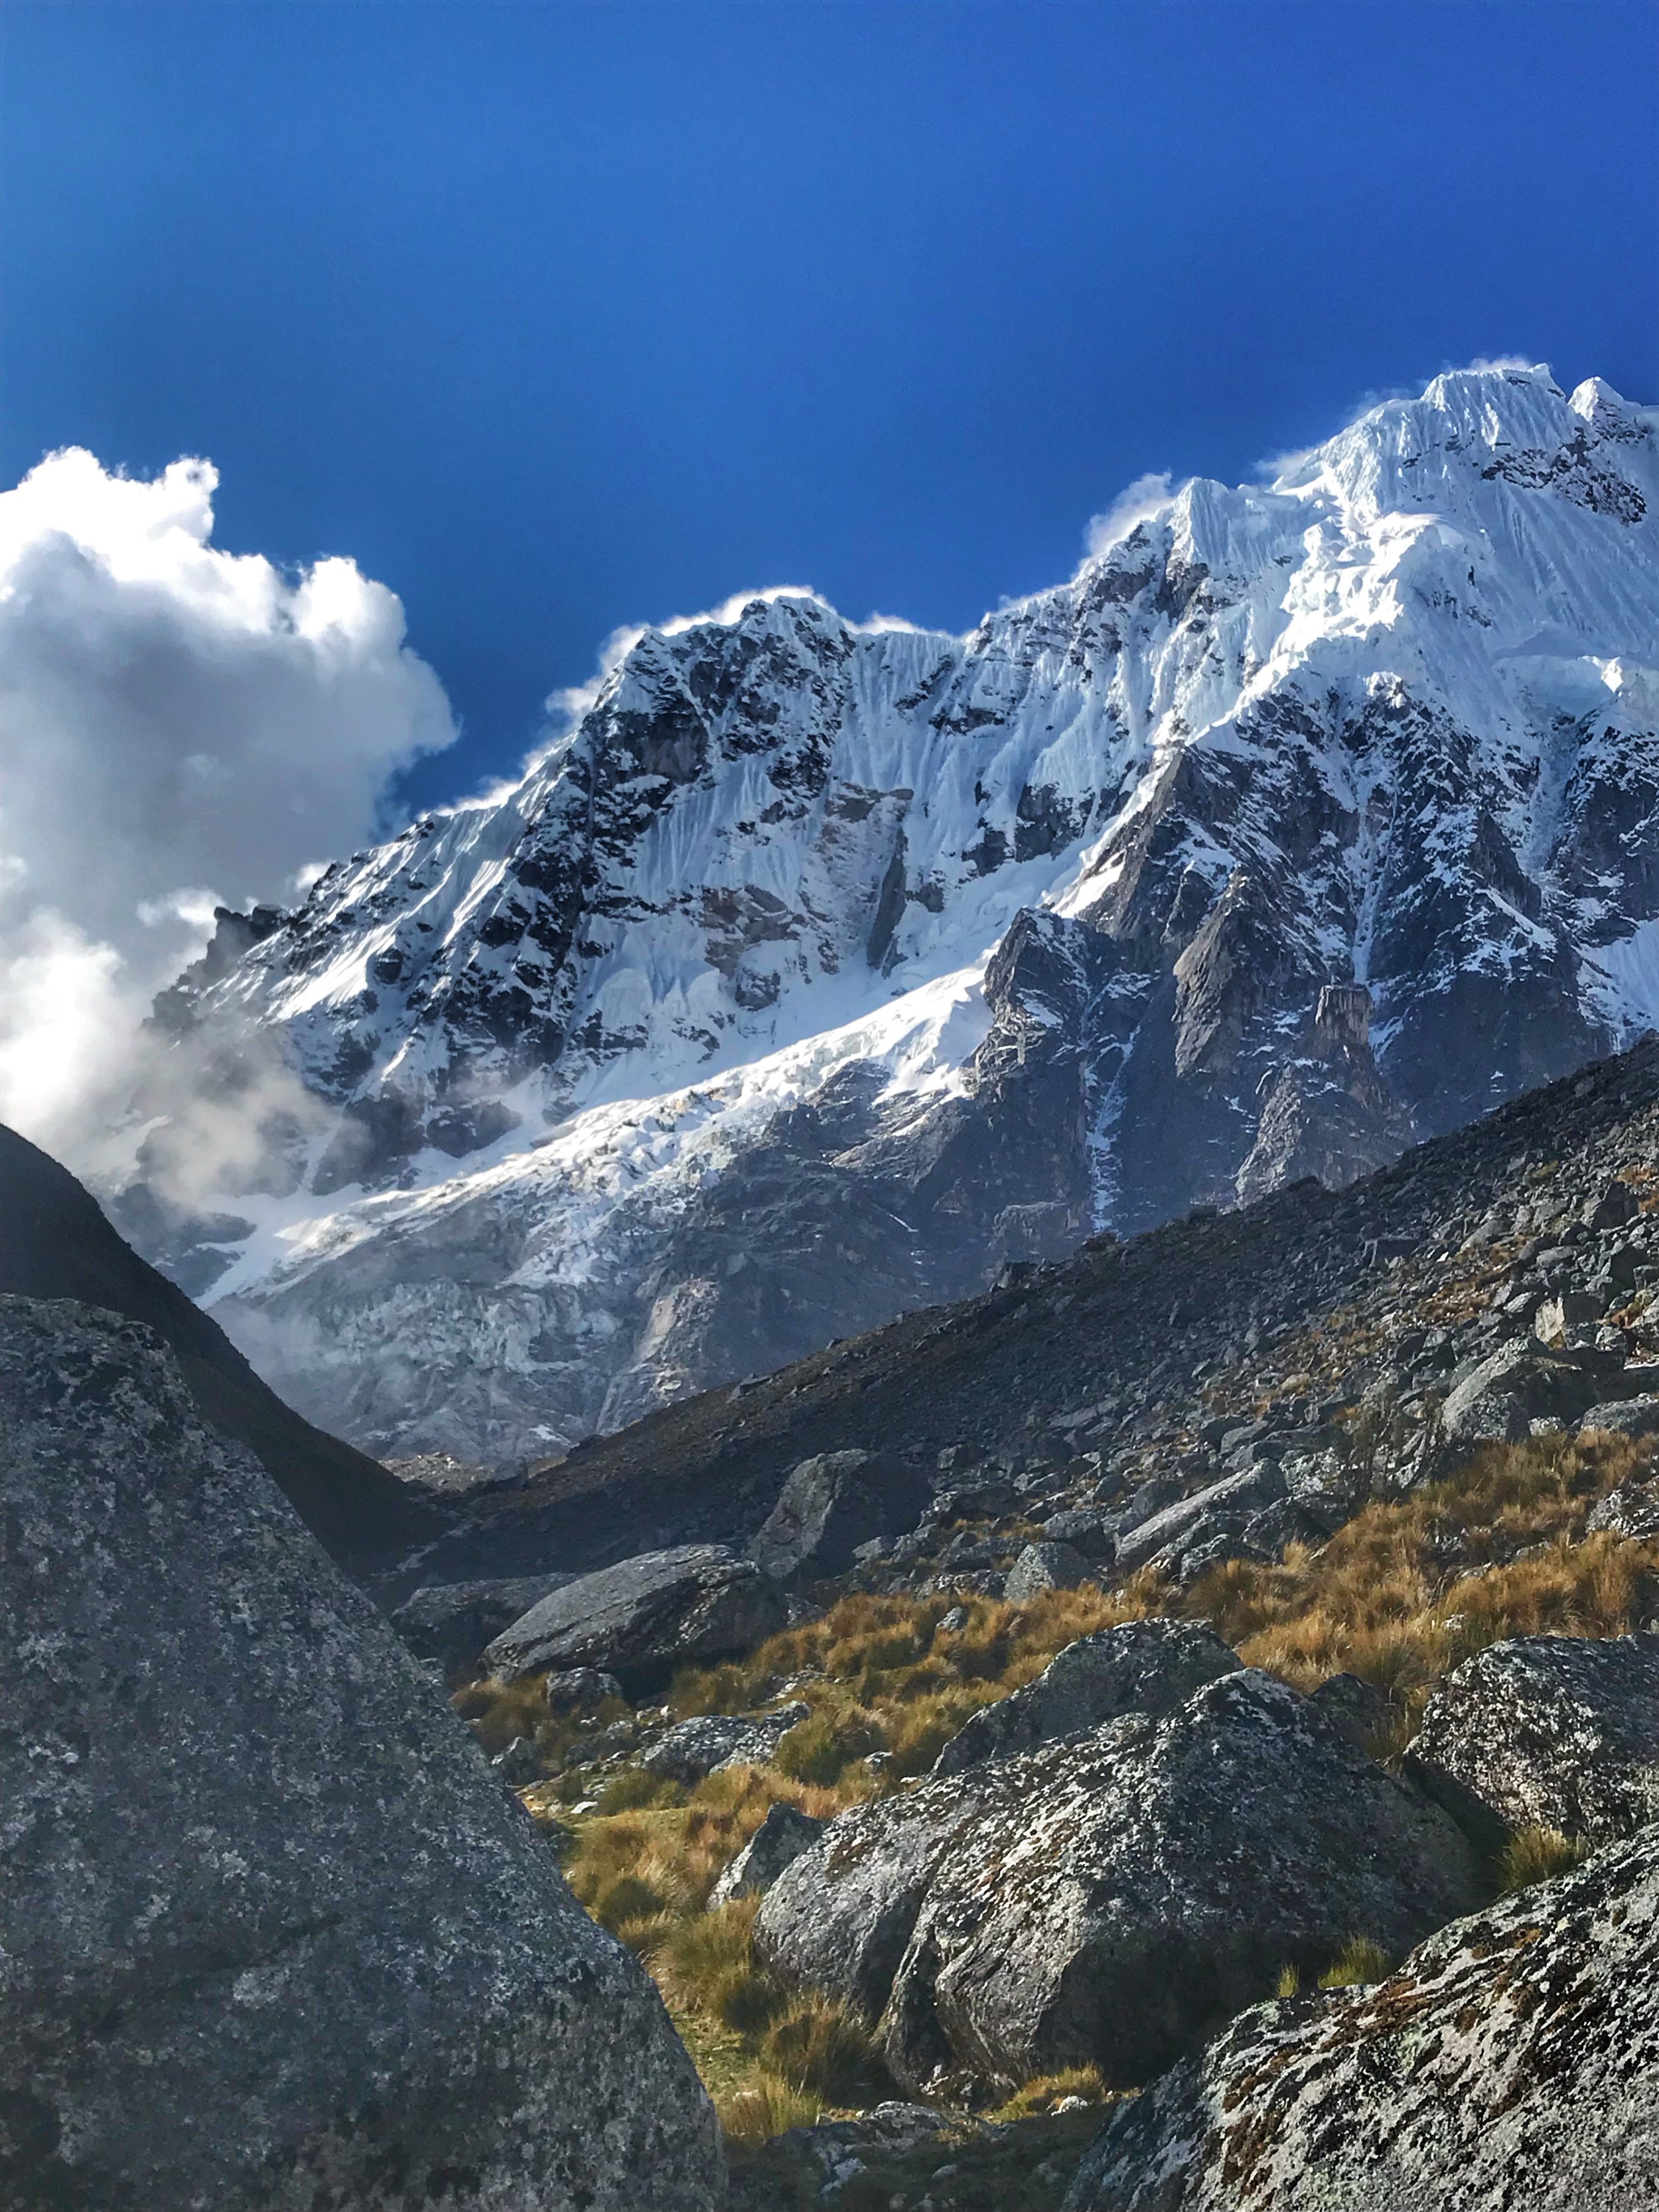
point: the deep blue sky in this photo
(562, 315)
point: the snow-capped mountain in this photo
(820, 968)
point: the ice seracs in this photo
(819, 968)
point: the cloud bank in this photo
(178, 726)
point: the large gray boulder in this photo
(831, 1505)
(451, 1622)
(1511, 2065)
(1224, 1507)
(1142, 1667)
(645, 1616)
(1049, 1567)
(1553, 1731)
(1111, 1898)
(1517, 1385)
(272, 1936)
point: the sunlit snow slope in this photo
(820, 969)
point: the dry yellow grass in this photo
(1398, 1596)
(1407, 1591)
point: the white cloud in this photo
(177, 725)
(1134, 504)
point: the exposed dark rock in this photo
(451, 1622)
(1553, 1731)
(1111, 1898)
(1511, 2065)
(274, 1936)
(1143, 1667)
(781, 1839)
(830, 1506)
(645, 1616)
(55, 1242)
(1329, 1113)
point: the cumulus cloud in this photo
(1135, 503)
(178, 726)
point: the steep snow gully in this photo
(819, 969)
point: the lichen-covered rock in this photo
(1047, 1566)
(781, 1839)
(645, 1616)
(701, 1745)
(1141, 1667)
(1511, 2065)
(831, 1505)
(271, 1936)
(1110, 1899)
(1553, 1731)
(1632, 1509)
(451, 1622)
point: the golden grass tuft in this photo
(1536, 1855)
(1361, 1960)
(1047, 2090)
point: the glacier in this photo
(820, 969)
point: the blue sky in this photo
(559, 316)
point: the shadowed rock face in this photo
(273, 1938)
(1511, 2065)
(1110, 1898)
(56, 1243)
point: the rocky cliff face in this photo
(818, 969)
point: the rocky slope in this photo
(1327, 1344)
(272, 1934)
(820, 969)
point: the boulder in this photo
(1142, 1667)
(1110, 1899)
(1227, 1504)
(1357, 1708)
(451, 1622)
(1086, 1528)
(644, 1617)
(831, 1505)
(779, 1841)
(1625, 1417)
(581, 1690)
(700, 1746)
(273, 1935)
(1045, 1567)
(1632, 1509)
(1554, 1732)
(1511, 2065)
(1514, 1386)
